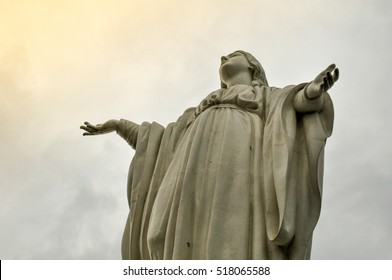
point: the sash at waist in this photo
(233, 106)
(216, 106)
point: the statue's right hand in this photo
(107, 127)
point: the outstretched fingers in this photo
(330, 67)
(87, 134)
(89, 128)
(325, 86)
(332, 72)
(335, 74)
(330, 78)
(331, 75)
(89, 125)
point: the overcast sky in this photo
(63, 196)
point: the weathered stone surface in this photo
(237, 177)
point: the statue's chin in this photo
(229, 69)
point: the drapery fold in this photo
(222, 182)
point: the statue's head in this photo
(258, 74)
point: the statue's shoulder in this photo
(188, 111)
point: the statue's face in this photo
(233, 64)
(236, 58)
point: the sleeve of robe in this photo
(293, 152)
(154, 150)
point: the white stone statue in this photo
(237, 177)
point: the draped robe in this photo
(238, 177)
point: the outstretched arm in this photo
(126, 129)
(310, 98)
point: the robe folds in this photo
(238, 177)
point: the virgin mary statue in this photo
(237, 177)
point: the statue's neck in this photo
(242, 78)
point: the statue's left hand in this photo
(323, 82)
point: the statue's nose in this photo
(224, 59)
